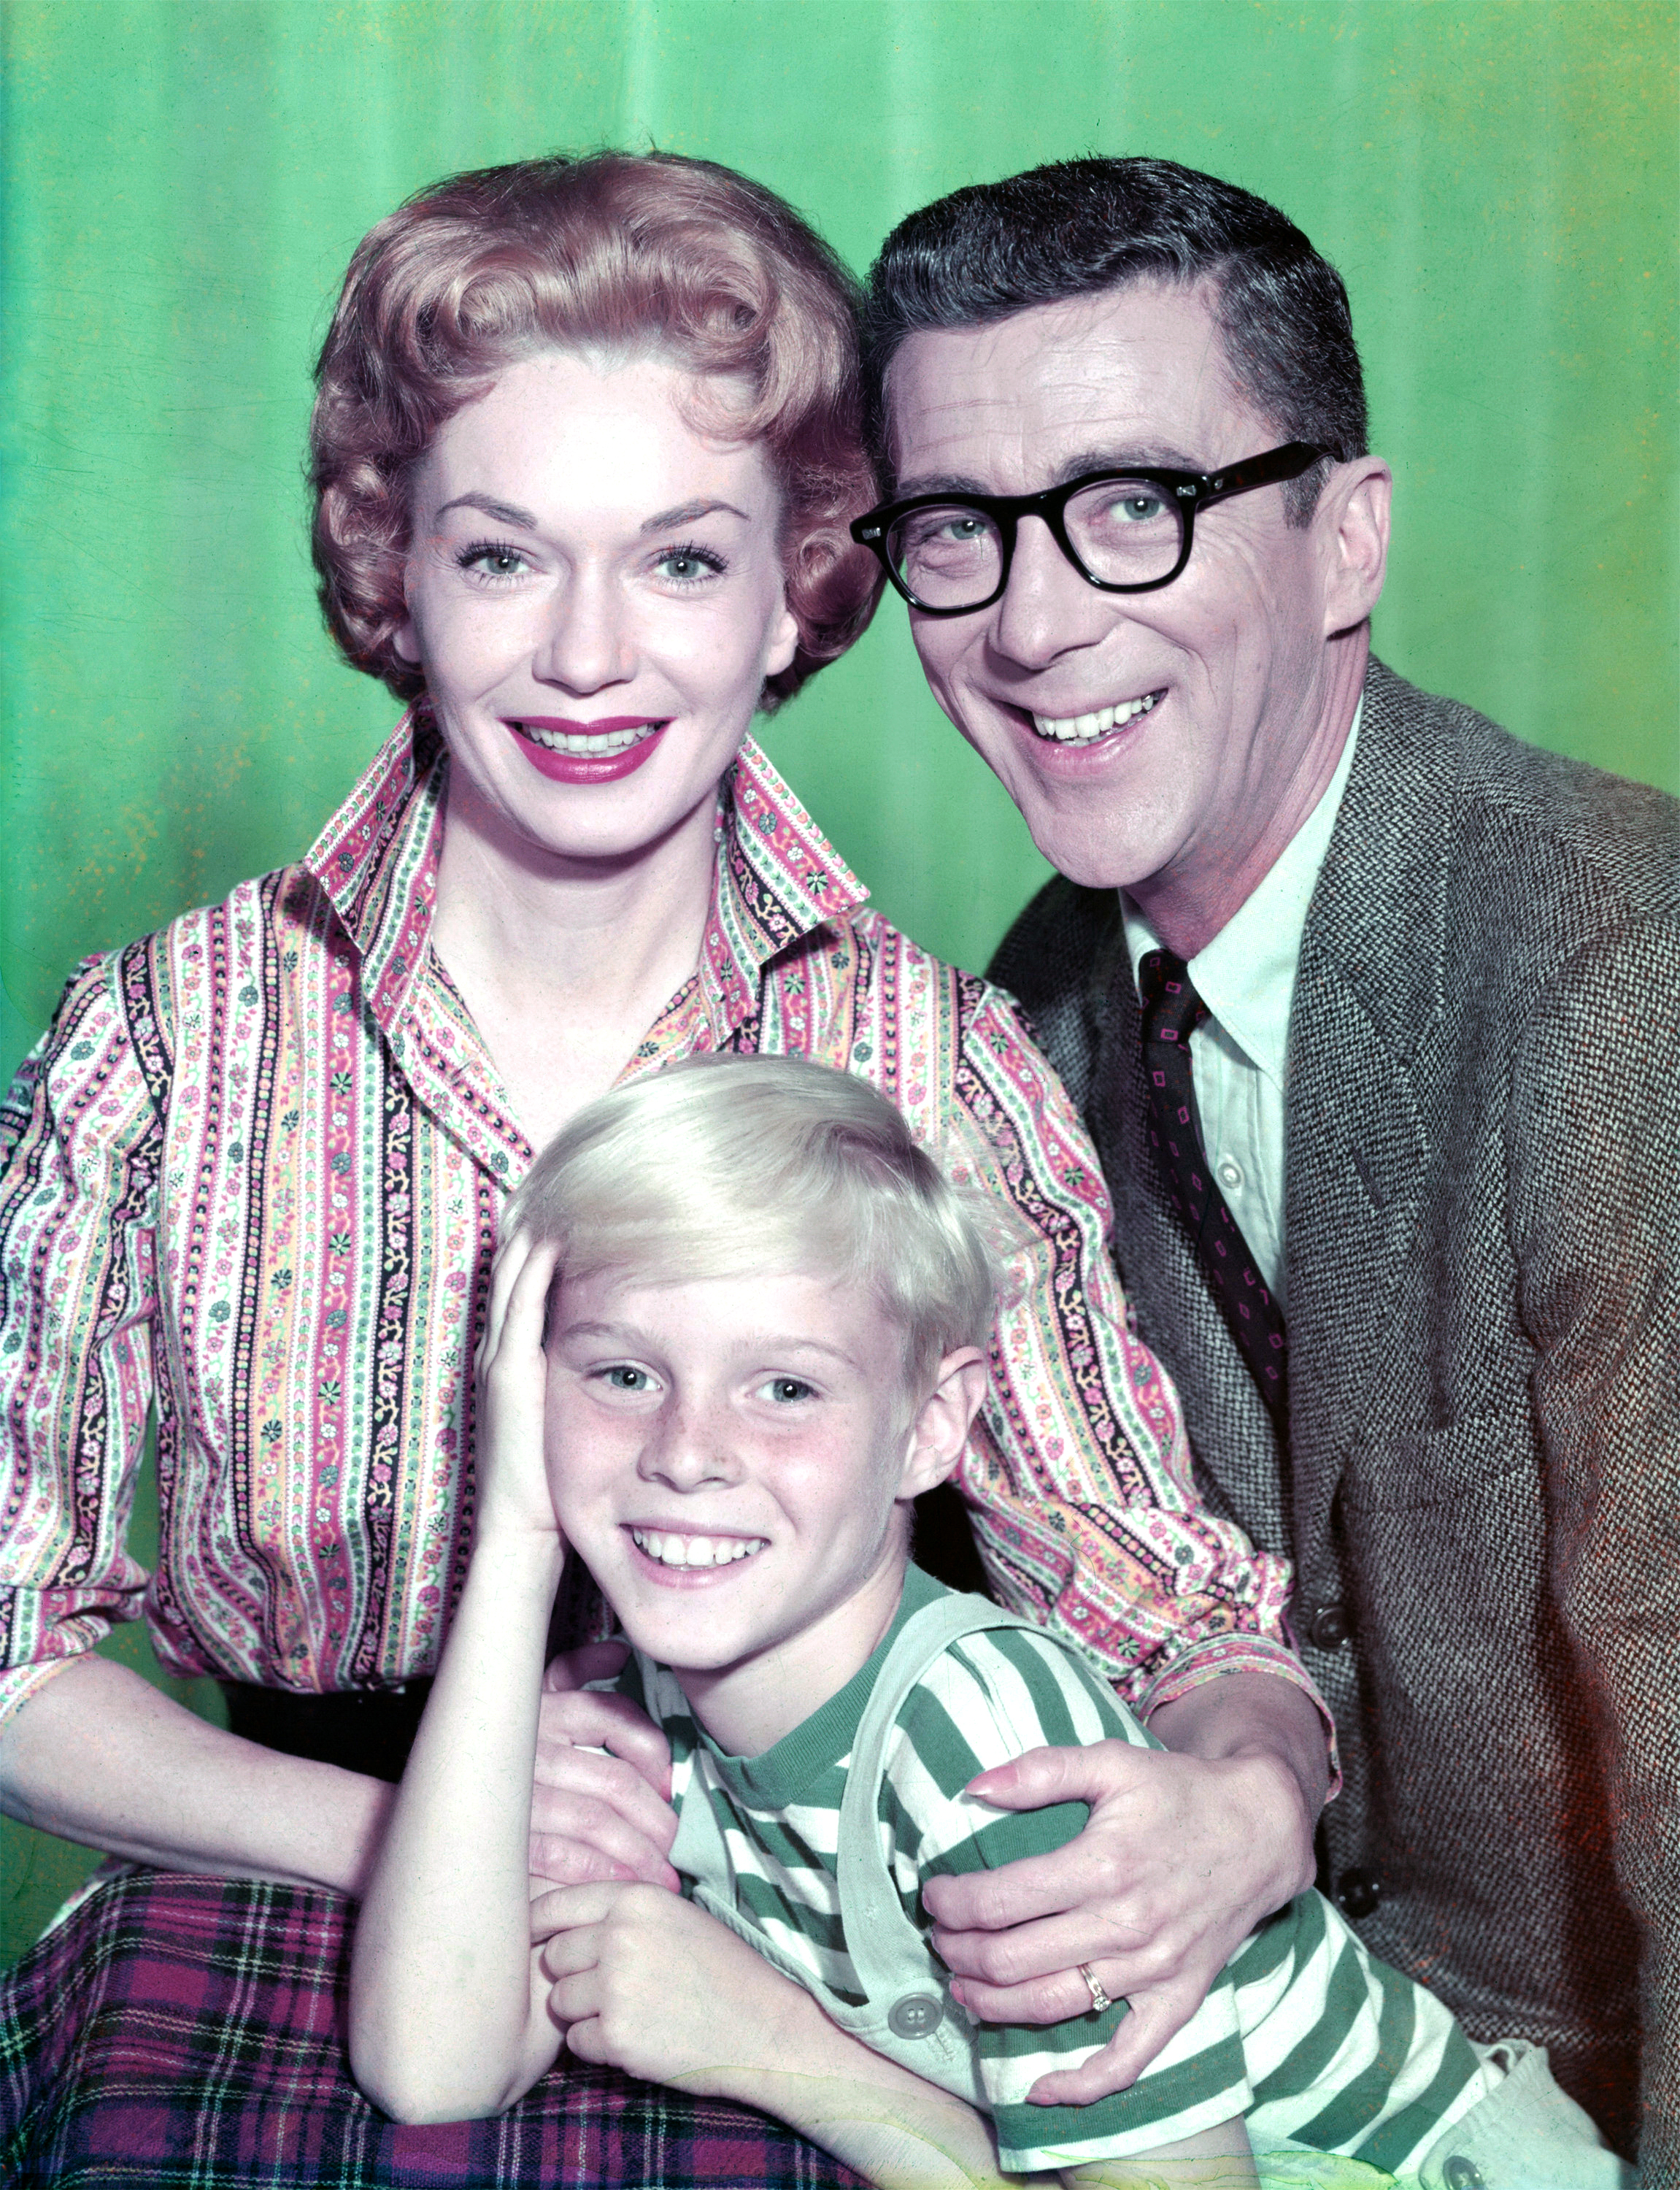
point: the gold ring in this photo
(1099, 1999)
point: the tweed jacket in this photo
(1478, 1482)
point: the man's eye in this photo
(1137, 508)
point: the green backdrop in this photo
(184, 180)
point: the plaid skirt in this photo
(177, 2031)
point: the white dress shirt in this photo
(1245, 976)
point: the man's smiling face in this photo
(1219, 711)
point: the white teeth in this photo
(1080, 729)
(601, 743)
(696, 1551)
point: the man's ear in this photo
(1353, 521)
(935, 1443)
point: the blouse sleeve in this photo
(1078, 1472)
(81, 1142)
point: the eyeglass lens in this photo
(1126, 532)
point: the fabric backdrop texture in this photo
(184, 181)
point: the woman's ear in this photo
(940, 1430)
(405, 638)
(782, 643)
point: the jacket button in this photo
(918, 2015)
(1330, 1626)
(1358, 1892)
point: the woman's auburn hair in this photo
(632, 252)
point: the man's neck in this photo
(1187, 907)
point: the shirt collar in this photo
(377, 860)
(1245, 976)
(778, 879)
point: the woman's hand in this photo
(600, 1802)
(1182, 1855)
(649, 1983)
(511, 1478)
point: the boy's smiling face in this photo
(729, 1456)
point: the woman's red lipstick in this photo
(561, 766)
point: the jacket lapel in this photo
(1368, 998)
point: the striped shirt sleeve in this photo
(986, 1700)
(80, 1143)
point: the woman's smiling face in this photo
(595, 591)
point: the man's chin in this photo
(1088, 848)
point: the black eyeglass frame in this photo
(1190, 490)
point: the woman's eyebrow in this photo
(505, 513)
(687, 513)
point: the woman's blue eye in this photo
(488, 561)
(623, 1378)
(785, 1388)
(688, 566)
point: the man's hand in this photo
(600, 1802)
(1182, 1856)
(649, 1983)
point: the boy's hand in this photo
(596, 1815)
(647, 1982)
(511, 1479)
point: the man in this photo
(1371, 1011)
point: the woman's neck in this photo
(564, 967)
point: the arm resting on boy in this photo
(1169, 1875)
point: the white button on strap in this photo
(918, 2015)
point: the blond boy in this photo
(739, 1325)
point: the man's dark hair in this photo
(1078, 227)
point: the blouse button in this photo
(1231, 1174)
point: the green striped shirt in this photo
(1304, 2032)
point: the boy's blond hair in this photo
(736, 1165)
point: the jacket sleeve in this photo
(1593, 1143)
(1079, 1471)
(80, 1138)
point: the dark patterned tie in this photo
(1172, 1012)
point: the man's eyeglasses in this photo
(1127, 531)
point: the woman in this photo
(584, 446)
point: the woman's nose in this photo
(587, 640)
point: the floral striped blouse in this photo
(252, 1179)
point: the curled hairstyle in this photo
(729, 1166)
(1079, 227)
(629, 252)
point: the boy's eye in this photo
(785, 1389)
(623, 1376)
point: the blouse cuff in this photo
(1239, 1653)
